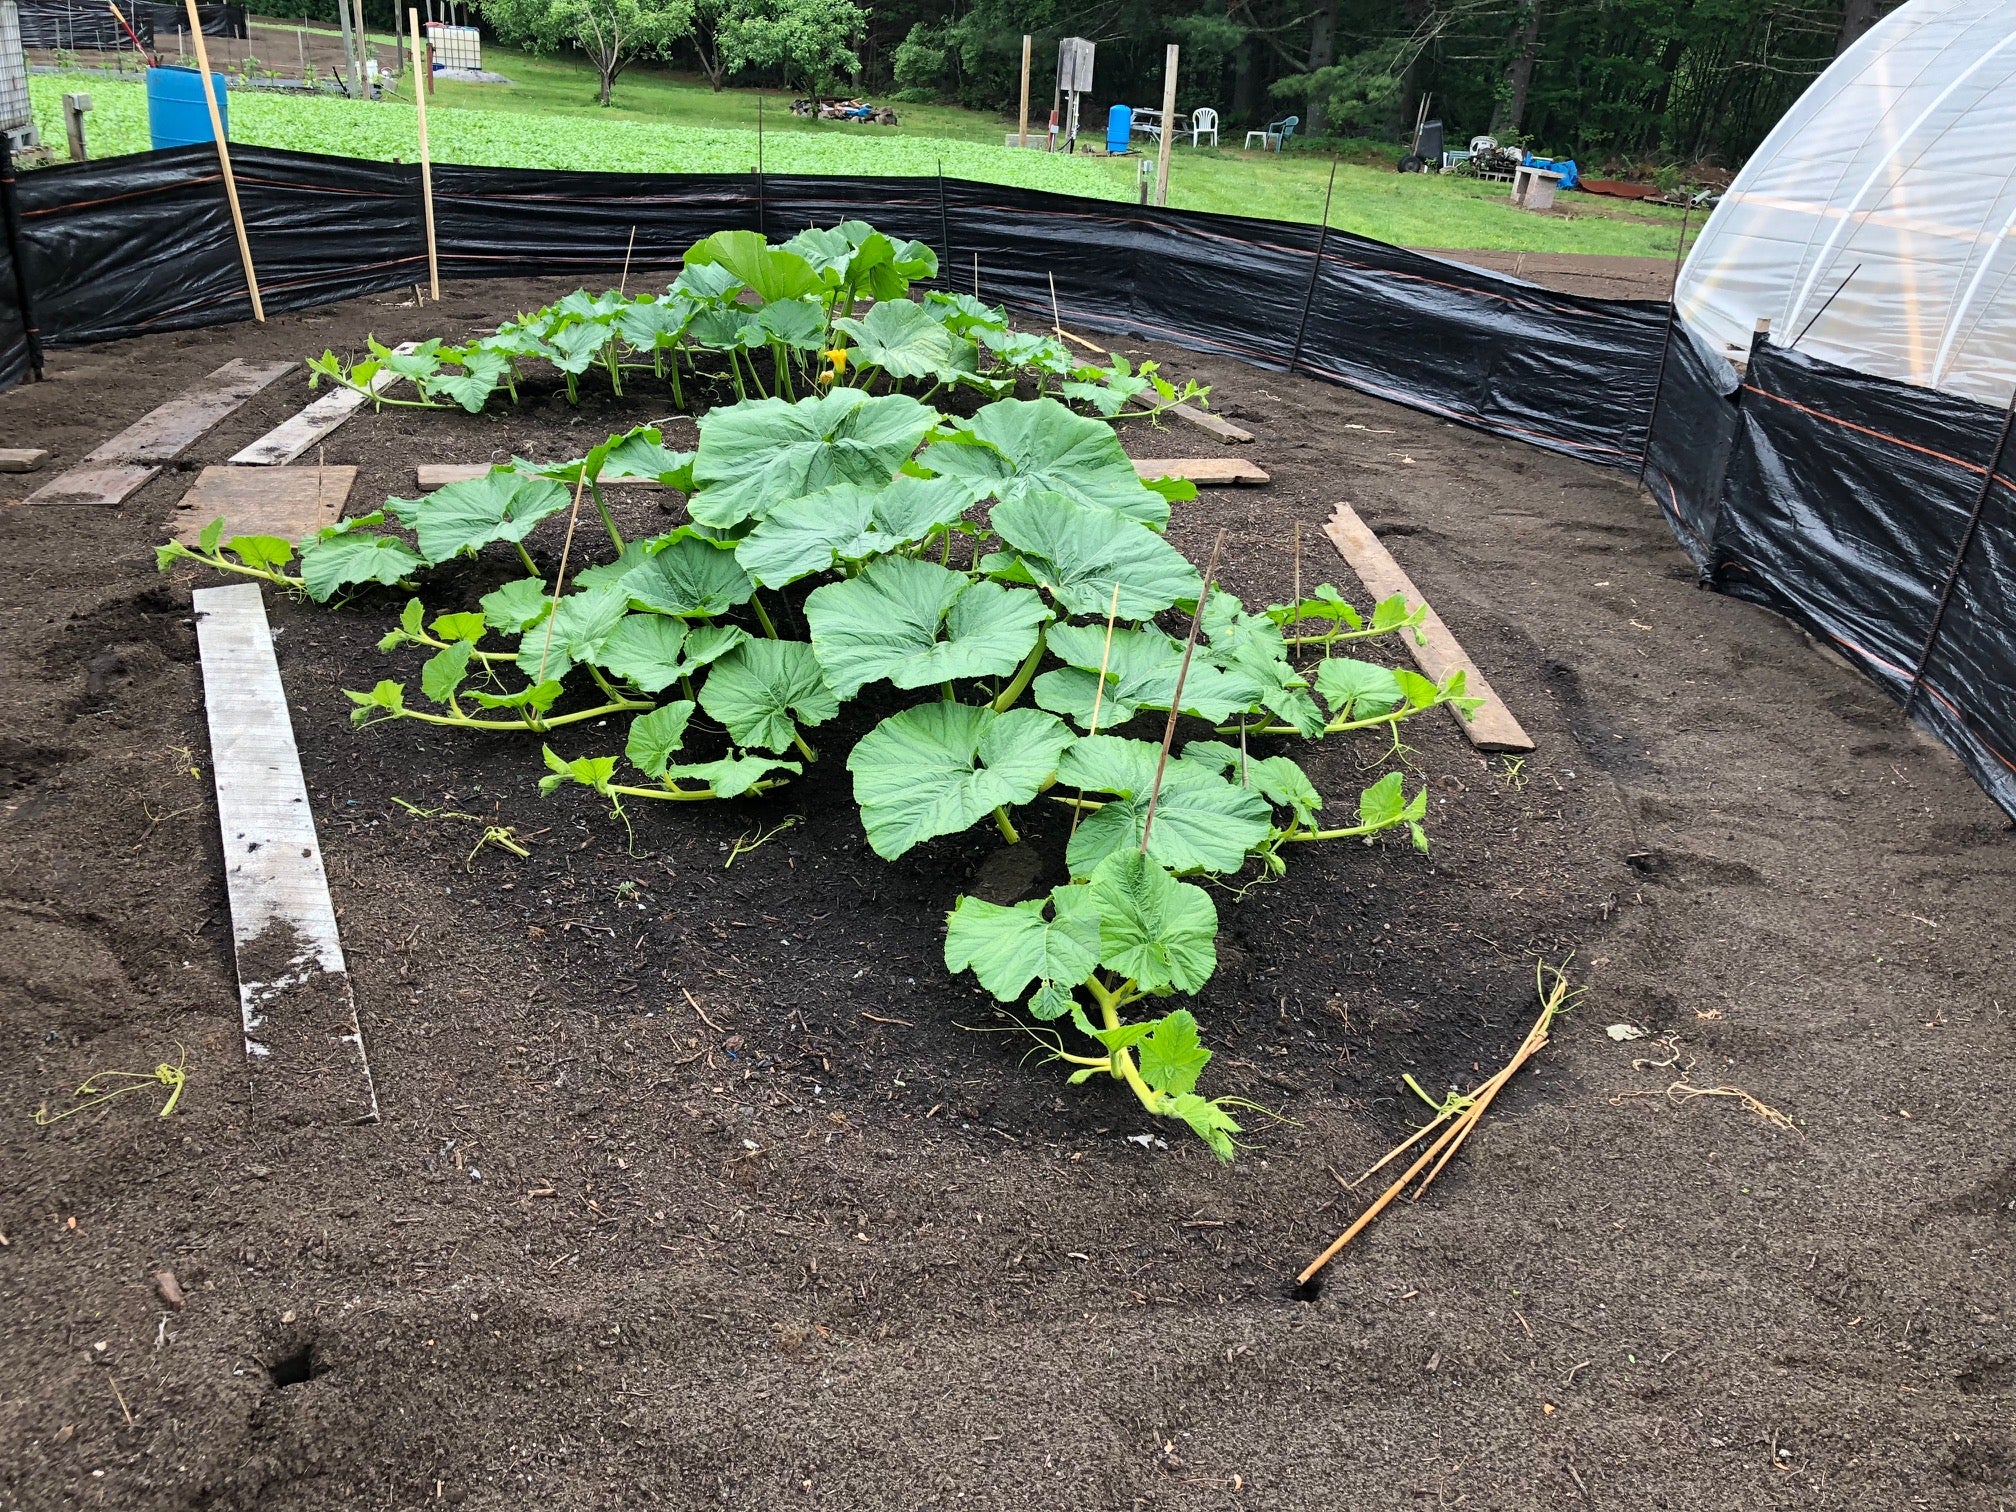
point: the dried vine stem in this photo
(1554, 1000)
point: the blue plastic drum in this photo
(177, 115)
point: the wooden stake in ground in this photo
(1168, 125)
(224, 162)
(1022, 136)
(426, 165)
(623, 287)
(1098, 700)
(1554, 999)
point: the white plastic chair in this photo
(1202, 122)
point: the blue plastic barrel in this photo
(1119, 127)
(177, 115)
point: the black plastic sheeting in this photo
(1841, 500)
(71, 24)
(1851, 504)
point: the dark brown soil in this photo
(695, 1189)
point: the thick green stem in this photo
(615, 368)
(763, 616)
(1007, 826)
(798, 740)
(1335, 727)
(537, 726)
(783, 372)
(671, 794)
(1335, 834)
(526, 557)
(1123, 1060)
(1338, 637)
(223, 563)
(608, 523)
(1020, 685)
(678, 399)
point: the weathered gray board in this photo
(94, 483)
(292, 503)
(302, 1039)
(294, 435)
(165, 432)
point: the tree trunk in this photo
(711, 66)
(1245, 94)
(1857, 16)
(1511, 108)
(1322, 53)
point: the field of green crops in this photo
(664, 125)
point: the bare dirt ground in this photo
(606, 1252)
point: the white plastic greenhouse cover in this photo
(1879, 217)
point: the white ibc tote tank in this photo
(1879, 217)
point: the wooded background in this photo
(1666, 81)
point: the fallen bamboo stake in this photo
(1554, 1001)
(1176, 698)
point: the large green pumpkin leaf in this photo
(914, 509)
(686, 574)
(772, 272)
(905, 342)
(1152, 928)
(517, 606)
(499, 506)
(575, 632)
(1008, 948)
(1202, 822)
(654, 737)
(886, 624)
(1016, 447)
(940, 767)
(758, 688)
(347, 553)
(1141, 673)
(1276, 778)
(1080, 554)
(756, 455)
(1357, 689)
(1173, 1056)
(644, 650)
(804, 536)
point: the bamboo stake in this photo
(224, 163)
(624, 286)
(1098, 697)
(426, 165)
(1176, 698)
(560, 578)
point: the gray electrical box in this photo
(1074, 66)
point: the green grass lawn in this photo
(665, 122)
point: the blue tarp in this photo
(1571, 178)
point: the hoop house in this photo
(1876, 226)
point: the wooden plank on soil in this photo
(292, 437)
(432, 475)
(165, 432)
(1206, 472)
(22, 458)
(1493, 728)
(1218, 425)
(290, 502)
(89, 483)
(302, 1041)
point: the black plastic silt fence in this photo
(1869, 511)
